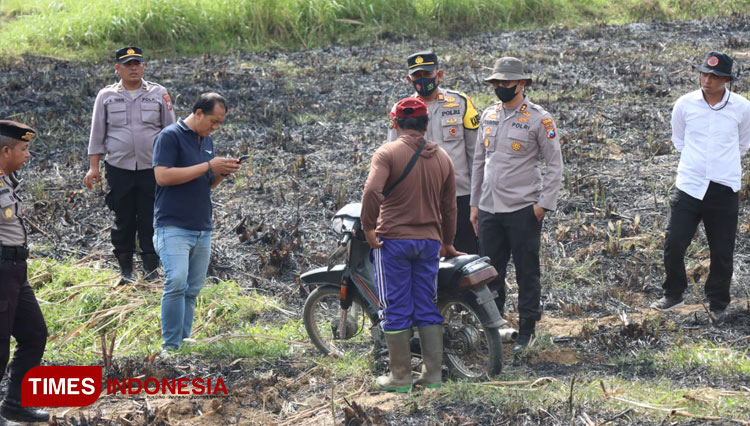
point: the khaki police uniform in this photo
(453, 126)
(20, 315)
(506, 183)
(124, 128)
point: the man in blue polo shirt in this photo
(186, 169)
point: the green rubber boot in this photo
(399, 352)
(431, 342)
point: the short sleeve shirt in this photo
(187, 205)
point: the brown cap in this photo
(508, 68)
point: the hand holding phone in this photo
(243, 158)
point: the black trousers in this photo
(21, 318)
(517, 233)
(131, 197)
(718, 210)
(466, 239)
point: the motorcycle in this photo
(341, 312)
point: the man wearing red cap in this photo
(19, 310)
(409, 219)
(711, 130)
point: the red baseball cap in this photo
(410, 107)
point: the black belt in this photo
(14, 253)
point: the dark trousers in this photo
(21, 318)
(466, 239)
(517, 233)
(131, 198)
(718, 210)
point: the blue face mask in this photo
(505, 94)
(425, 86)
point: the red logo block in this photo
(62, 386)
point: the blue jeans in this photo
(185, 255)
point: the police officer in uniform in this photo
(19, 311)
(508, 199)
(127, 117)
(453, 123)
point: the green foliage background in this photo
(83, 29)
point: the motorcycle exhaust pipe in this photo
(508, 335)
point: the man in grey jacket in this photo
(508, 200)
(127, 117)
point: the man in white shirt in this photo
(711, 130)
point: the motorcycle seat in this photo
(450, 267)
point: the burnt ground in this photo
(311, 121)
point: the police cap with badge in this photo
(426, 61)
(16, 130)
(129, 53)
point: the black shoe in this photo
(150, 266)
(125, 260)
(6, 422)
(12, 410)
(667, 303)
(719, 316)
(522, 342)
(526, 330)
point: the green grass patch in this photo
(719, 359)
(80, 304)
(92, 29)
(535, 396)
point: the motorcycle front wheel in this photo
(471, 351)
(322, 316)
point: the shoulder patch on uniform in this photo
(549, 128)
(471, 117)
(168, 101)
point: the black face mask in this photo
(425, 86)
(506, 94)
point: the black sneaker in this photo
(522, 342)
(667, 303)
(12, 410)
(719, 316)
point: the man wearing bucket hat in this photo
(453, 124)
(711, 130)
(509, 198)
(126, 119)
(409, 219)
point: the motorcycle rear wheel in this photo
(322, 318)
(470, 350)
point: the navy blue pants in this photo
(718, 210)
(517, 233)
(21, 318)
(406, 280)
(131, 197)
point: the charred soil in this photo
(311, 121)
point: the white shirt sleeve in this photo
(744, 131)
(678, 126)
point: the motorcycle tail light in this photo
(479, 276)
